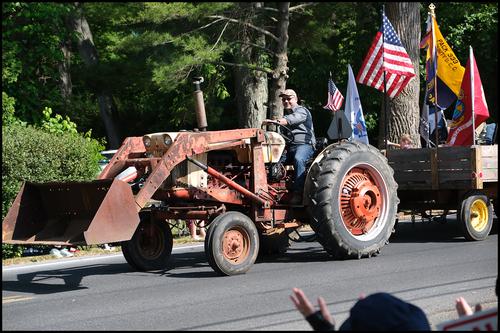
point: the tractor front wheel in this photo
(151, 246)
(232, 243)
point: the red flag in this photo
(471, 99)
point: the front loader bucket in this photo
(74, 213)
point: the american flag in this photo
(335, 98)
(386, 54)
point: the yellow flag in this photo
(448, 67)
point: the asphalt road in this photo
(428, 264)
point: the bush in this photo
(11, 251)
(31, 154)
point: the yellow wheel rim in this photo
(478, 215)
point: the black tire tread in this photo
(214, 257)
(320, 200)
(463, 211)
(132, 255)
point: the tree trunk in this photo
(278, 81)
(64, 73)
(403, 110)
(89, 55)
(250, 85)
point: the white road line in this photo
(15, 298)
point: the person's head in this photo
(405, 141)
(289, 99)
(382, 311)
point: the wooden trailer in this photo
(464, 179)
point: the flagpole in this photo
(385, 81)
(471, 70)
(433, 15)
(339, 119)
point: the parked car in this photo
(107, 154)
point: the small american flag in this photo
(388, 55)
(335, 98)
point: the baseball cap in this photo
(288, 92)
(384, 312)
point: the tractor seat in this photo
(321, 143)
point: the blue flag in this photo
(354, 111)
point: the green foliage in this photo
(149, 53)
(83, 111)
(56, 124)
(31, 37)
(193, 53)
(31, 154)
(8, 108)
(161, 13)
(11, 251)
(11, 65)
(337, 34)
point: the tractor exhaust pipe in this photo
(199, 105)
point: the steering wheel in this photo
(284, 131)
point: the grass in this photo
(87, 251)
(91, 251)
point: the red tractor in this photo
(230, 179)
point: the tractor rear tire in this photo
(151, 245)
(475, 216)
(231, 243)
(352, 200)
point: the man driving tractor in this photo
(301, 149)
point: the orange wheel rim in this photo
(360, 201)
(235, 245)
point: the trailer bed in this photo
(438, 178)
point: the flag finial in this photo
(432, 7)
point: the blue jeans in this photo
(300, 154)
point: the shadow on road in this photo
(182, 265)
(70, 279)
(49, 281)
(312, 253)
(433, 231)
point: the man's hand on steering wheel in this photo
(282, 129)
(270, 121)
